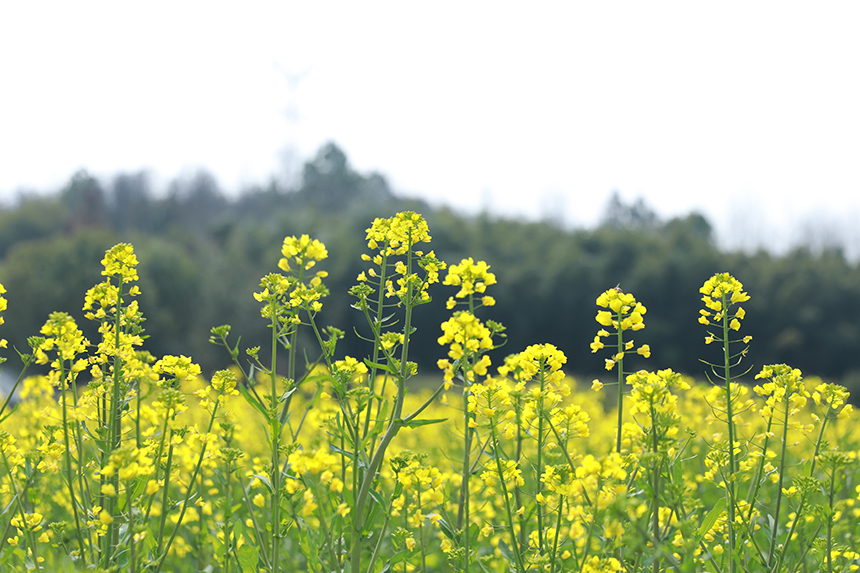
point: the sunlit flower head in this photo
(719, 293)
(121, 260)
(471, 277)
(304, 251)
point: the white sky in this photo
(747, 111)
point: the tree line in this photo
(202, 254)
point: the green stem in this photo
(730, 480)
(655, 567)
(557, 530)
(540, 457)
(773, 534)
(260, 540)
(463, 506)
(164, 494)
(393, 427)
(115, 427)
(802, 506)
(68, 459)
(830, 523)
(371, 379)
(188, 491)
(16, 496)
(754, 487)
(520, 566)
(275, 428)
(620, 383)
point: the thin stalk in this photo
(518, 456)
(620, 383)
(228, 514)
(164, 497)
(540, 458)
(371, 379)
(830, 523)
(655, 524)
(291, 365)
(393, 427)
(463, 506)
(514, 541)
(83, 484)
(590, 528)
(774, 533)
(16, 496)
(275, 427)
(15, 492)
(730, 481)
(68, 459)
(754, 487)
(260, 541)
(557, 530)
(373, 556)
(191, 483)
(114, 428)
(802, 506)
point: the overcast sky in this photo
(747, 111)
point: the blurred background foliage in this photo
(202, 254)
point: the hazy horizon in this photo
(745, 113)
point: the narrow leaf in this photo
(711, 518)
(419, 423)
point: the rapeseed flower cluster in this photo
(473, 279)
(651, 391)
(285, 296)
(397, 236)
(720, 293)
(63, 336)
(468, 339)
(834, 397)
(624, 314)
(784, 385)
(303, 251)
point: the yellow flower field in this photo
(301, 459)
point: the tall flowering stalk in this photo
(489, 401)
(833, 398)
(284, 298)
(64, 338)
(397, 242)
(469, 340)
(722, 295)
(114, 367)
(624, 313)
(651, 395)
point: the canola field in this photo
(301, 459)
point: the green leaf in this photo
(379, 366)
(711, 518)
(419, 423)
(446, 529)
(377, 497)
(247, 555)
(249, 398)
(265, 481)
